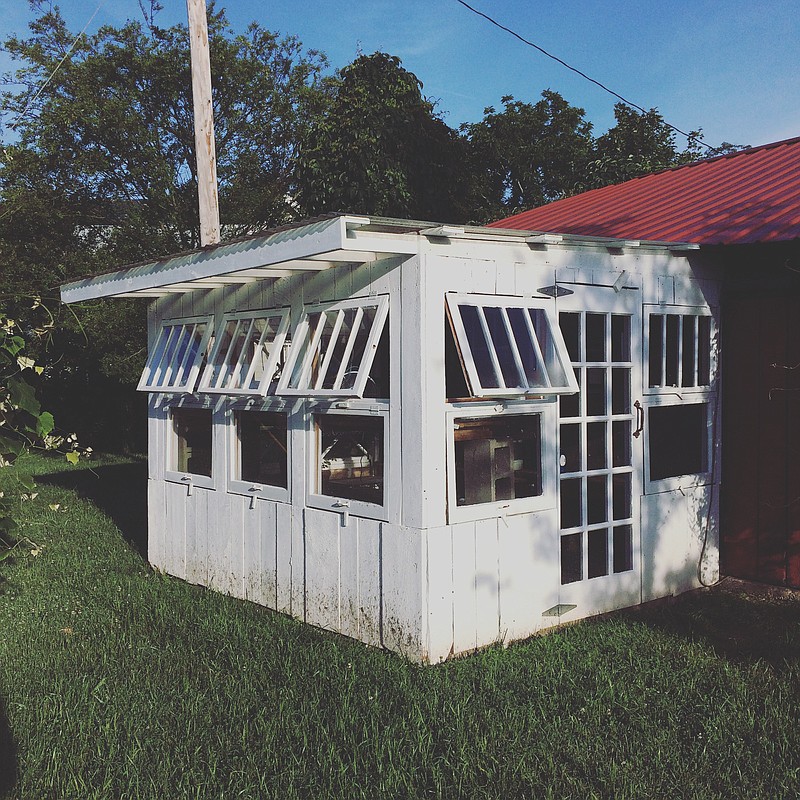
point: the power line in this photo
(563, 63)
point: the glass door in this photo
(599, 469)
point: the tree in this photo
(100, 170)
(638, 144)
(377, 146)
(527, 154)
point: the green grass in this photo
(119, 682)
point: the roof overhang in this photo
(310, 247)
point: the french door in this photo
(600, 470)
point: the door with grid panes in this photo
(599, 467)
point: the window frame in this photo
(548, 499)
(155, 357)
(453, 300)
(690, 480)
(302, 334)
(344, 505)
(666, 309)
(254, 489)
(171, 473)
(240, 317)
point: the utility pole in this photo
(204, 146)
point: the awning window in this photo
(509, 346)
(179, 354)
(246, 352)
(333, 348)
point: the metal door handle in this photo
(639, 419)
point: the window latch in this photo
(187, 479)
(343, 505)
(254, 490)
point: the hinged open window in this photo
(509, 346)
(333, 348)
(178, 356)
(246, 353)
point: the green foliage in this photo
(528, 154)
(377, 146)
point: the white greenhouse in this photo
(431, 438)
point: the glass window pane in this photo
(192, 427)
(596, 445)
(571, 516)
(571, 557)
(351, 456)
(620, 337)
(623, 548)
(677, 440)
(502, 346)
(621, 489)
(359, 350)
(597, 555)
(262, 447)
(530, 361)
(688, 361)
(569, 405)
(596, 499)
(478, 347)
(570, 324)
(595, 392)
(338, 347)
(703, 351)
(621, 443)
(497, 459)
(260, 348)
(544, 336)
(620, 390)
(595, 337)
(656, 350)
(570, 448)
(672, 348)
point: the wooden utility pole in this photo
(204, 147)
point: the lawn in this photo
(119, 682)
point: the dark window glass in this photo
(527, 352)
(351, 456)
(502, 345)
(595, 392)
(478, 346)
(688, 353)
(620, 390)
(656, 349)
(570, 324)
(571, 448)
(703, 351)
(597, 554)
(672, 347)
(192, 428)
(454, 380)
(497, 459)
(378, 380)
(571, 516)
(620, 337)
(595, 337)
(262, 447)
(621, 443)
(623, 548)
(569, 405)
(678, 440)
(596, 501)
(571, 557)
(621, 490)
(595, 445)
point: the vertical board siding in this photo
(175, 525)
(369, 581)
(283, 557)
(440, 633)
(403, 573)
(486, 581)
(322, 534)
(157, 530)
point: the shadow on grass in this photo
(8, 756)
(742, 621)
(119, 490)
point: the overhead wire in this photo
(691, 136)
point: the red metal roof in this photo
(742, 198)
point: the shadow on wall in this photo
(8, 756)
(118, 490)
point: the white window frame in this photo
(690, 480)
(227, 370)
(344, 505)
(182, 380)
(171, 473)
(548, 499)
(254, 489)
(664, 310)
(307, 342)
(505, 302)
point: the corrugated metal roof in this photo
(742, 198)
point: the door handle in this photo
(639, 419)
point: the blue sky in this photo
(728, 67)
